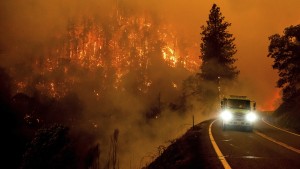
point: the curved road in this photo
(265, 147)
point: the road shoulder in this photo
(192, 150)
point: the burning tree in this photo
(121, 53)
(87, 69)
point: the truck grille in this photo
(239, 116)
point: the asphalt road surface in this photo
(265, 147)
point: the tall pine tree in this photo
(217, 49)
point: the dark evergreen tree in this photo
(285, 50)
(217, 51)
(50, 148)
(217, 48)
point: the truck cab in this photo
(238, 111)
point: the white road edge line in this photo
(279, 128)
(216, 148)
(278, 142)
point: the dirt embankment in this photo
(287, 115)
(192, 150)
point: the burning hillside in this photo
(103, 74)
(110, 53)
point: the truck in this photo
(238, 111)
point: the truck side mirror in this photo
(254, 106)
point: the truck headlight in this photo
(226, 115)
(251, 117)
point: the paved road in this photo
(265, 147)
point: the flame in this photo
(169, 56)
(273, 103)
(126, 48)
(174, 85)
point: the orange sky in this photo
(253, 21)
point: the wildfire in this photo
(170, 56)
(174, 85)
(109, 54)
(273, 103)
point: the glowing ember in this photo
(174, 85)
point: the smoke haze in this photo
(252, 23)
(28, 26)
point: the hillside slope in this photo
(192, 150)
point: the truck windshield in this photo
(238, 104)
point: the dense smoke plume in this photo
(109, 67)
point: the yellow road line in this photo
(277, 142)
(217, 150)
(280, 128)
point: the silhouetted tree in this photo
(92, 160)
(5, 86)
(50, 148)
(285, 50)
(12, 140)
(217, 48)
(26, 108)
(217, 51)
(113, 152)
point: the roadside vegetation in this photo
(285, 50)
(193, 150)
